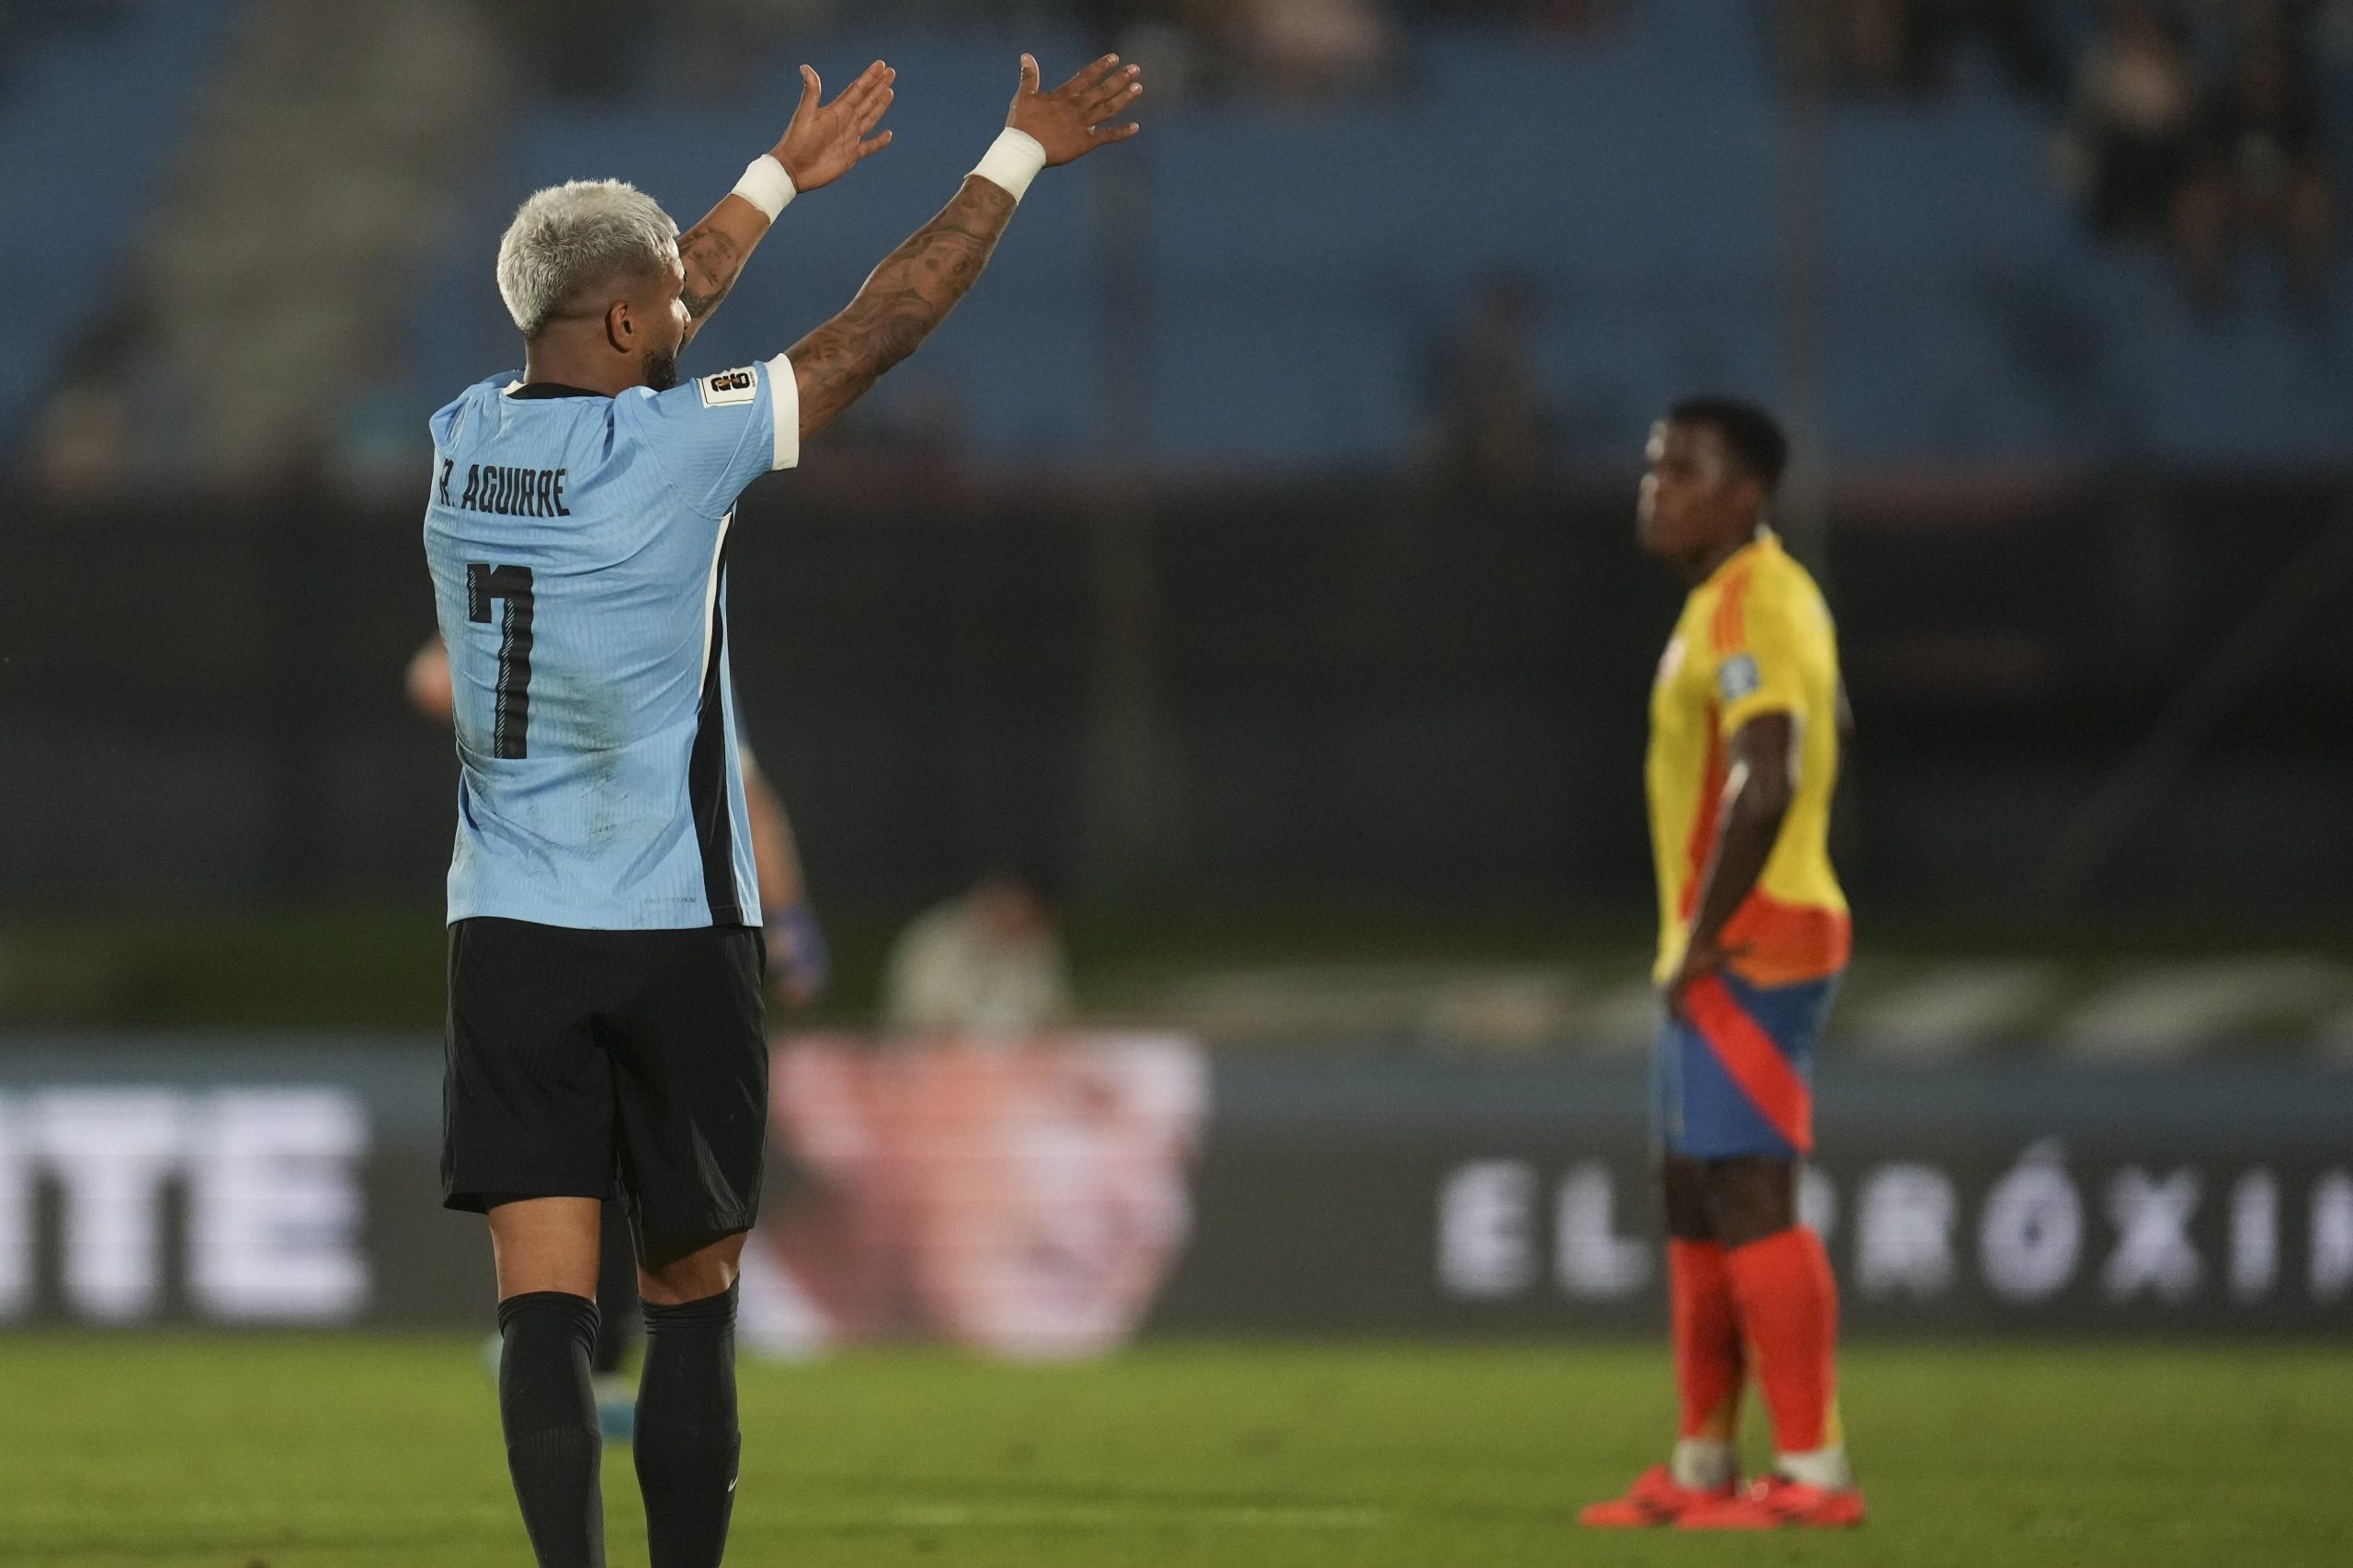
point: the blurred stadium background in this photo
(1250, 559)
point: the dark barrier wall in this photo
(295, 1182)
(1377, 1195)
(1240, 690)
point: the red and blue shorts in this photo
(1737, 1078)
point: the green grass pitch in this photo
(298, 1452)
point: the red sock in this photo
(1789, 1314)
(1707, 1339)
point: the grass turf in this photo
(297, 1452)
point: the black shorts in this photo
(583, 1063)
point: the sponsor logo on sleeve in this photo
(1737, 677)
(729, 387)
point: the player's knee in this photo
(676, 1270)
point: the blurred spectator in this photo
(988, 965)
(77, 453)
(2011, 30)
(2135, 146)
(599, 48)
(1585, 20)
(1914, 46)
(2268, 146)
(118, 421)
(1317, 46)
(1298, 46)
(724, 46)
(1495, 424)
(579, 48)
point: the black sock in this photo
(549, 1414)
(616, 1292)
(687, 1440)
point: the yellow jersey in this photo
(1755, 638)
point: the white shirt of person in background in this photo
(987, 966)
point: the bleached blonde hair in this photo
(569, 236)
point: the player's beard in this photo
(661, 368)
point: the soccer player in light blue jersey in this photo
(798, 964)
(604, 1030)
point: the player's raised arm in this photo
(823, 143)
(908, 296)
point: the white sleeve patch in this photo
(729, 387)
(784, 403)
(1737, 678)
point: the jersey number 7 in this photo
(511, 585)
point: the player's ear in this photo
(620, 329)
(1749, 492)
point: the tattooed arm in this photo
(822, 144)
(902, 301)
(908, 296)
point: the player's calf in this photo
(687, 1441)
(549, 1415)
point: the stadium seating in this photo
(1284, 273)
(1302, 263)
(89, 116)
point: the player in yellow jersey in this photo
(1746, 717)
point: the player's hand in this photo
(1069, 122)
(823, 144)
(1702, 961)
(797, 954)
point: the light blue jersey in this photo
(579, 552)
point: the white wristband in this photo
(1012, 161)
(766, 185)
